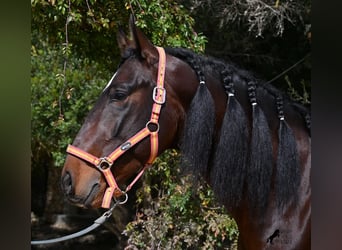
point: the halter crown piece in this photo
(151, 129)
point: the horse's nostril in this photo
(67, 183)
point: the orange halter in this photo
(151, 129)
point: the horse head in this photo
(125, 107)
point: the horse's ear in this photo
(143, 45)
(124, 43)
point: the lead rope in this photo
(98, 222)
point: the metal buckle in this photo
(156, 94)
(104, 164)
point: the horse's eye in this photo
(118, 96)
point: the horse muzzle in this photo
(85, 191)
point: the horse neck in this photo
(259, 224)
(233, 179)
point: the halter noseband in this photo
(104, 164)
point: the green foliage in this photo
(167, 24)
(90, 26)
(60, 99)
(174, 214)
(304, 97)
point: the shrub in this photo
(60, 99)
(175, 214)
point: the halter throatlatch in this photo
(151, 129)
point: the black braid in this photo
(308, 120)
(227, 82)
(260, 159)
(252, 92)
(188, 57)
(231, 154)
(287, 175)
(194, 65)
(280, 107)
(197, 140)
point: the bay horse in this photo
(247, 139)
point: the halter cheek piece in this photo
(151, 129)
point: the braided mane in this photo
(241, 161)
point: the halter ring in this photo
(151, 123)
(121, 202)
(104, 164)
